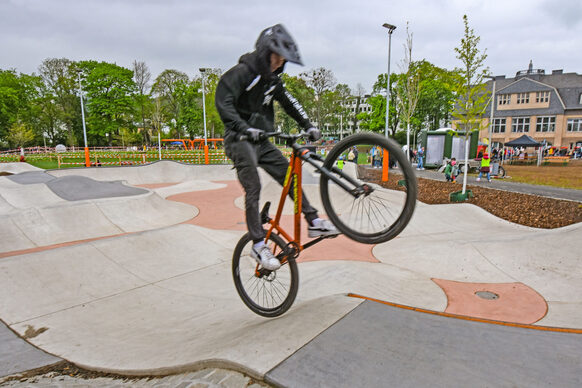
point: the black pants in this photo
(247, 157)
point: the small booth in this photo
(524, 141)
(446, 143)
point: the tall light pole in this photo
(390, 28)
(203, 72)
(492, 106)
(87, 159)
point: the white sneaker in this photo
(265, 258)
(322, 228)
(478, 179)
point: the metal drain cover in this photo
(487, 295)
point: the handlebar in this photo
(279, 134)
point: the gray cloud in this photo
(344, 36)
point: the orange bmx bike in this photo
(359, 196)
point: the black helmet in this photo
(279, 41)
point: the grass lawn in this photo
(569, 176)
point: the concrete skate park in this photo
(128, 270)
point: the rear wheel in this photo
(266, 293)
(370, 210)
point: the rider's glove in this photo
(254, 134)
(313, 134)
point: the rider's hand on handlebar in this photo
(254, 134)
(313, 134)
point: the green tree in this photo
(472, 97)
(20, 135)
(214, 124)
(408, 89)
(19, 94)
(60, 100)
(322, 81)
(436, 96)
(190, 116)
(375, 120)
(298, 88)
(341, 107)
(166, 87)
(143, 102)
(110, 91)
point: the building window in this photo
(498, 126)
(574, 125)
(581, 98)
(523, 98)
(542, 97)
(520, 124)
(546, 124)
(504, 99)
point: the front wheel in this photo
(360, 203)
(266, 293)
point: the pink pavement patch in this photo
(512, 302)
(218, 211)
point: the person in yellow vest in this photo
(485, 162)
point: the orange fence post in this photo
(206, 154)
(385, 166)
(87, 159)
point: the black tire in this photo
(501, 172)
(268, 293)
(386, 209)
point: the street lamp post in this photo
(492, 107)
(203, 71)
(390, 28)
(386, 158)
(87, 159)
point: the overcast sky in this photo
(344, 36)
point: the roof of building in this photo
(566, 87)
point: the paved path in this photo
(148, 291)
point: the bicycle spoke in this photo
(265, 291)
(376, 216)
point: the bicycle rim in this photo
(266, 293)
(387, 206)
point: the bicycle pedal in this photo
(265, 213)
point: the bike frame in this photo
(293, 179)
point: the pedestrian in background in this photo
(449, 171)
(420, 158)
(456, 171)
(485, 162)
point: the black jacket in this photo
(245, 93)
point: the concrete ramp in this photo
(17, 167)
(74, 208)
(157, 172)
